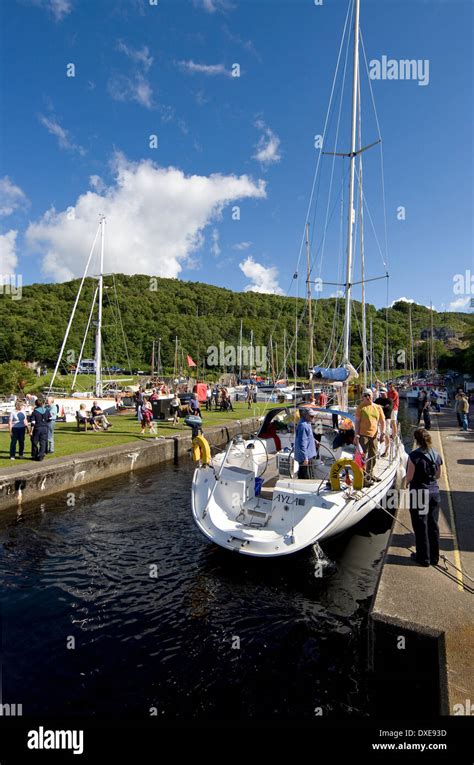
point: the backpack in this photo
(430, 466)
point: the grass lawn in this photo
(125, 429)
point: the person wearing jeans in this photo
(53, 412)
(305, 446)
(423, 471)
(17, 426)
(464, 411)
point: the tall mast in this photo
(175, 365)
(153, 359)
(310, 314)
(411, 360)
(371, 352)
(284, 356)
(158, 362)
(251, 354)
(98, 336)
(350, 217)
(240, 351)
(362, 252)
(432, 364)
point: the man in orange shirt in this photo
(369, 420)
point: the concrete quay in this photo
(34, 481)
(421, 624)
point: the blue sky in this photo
(76, 146)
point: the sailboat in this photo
(69, 405)
(248, 498)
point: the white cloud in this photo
(97, 183)
(155, 220)
(11, 196)
(402, 300)
(53, 127)
(210, 69)
(460, 304)
(138, 55)
(268, 147)
(263, 279)
(136, 88)
(242, 246)
(215, 248)
(59, 9)
(211, 6)
(8, 258)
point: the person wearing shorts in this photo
(393, 394)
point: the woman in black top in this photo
(423, 470)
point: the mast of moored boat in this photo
(310, 314)
(362, 254)
(175, 364)
(240, 352)
(350, 216)
(98, 334)
(411, 359)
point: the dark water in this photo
(210, 636)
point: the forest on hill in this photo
(201, 316)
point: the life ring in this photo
(335, 472)
(201, 450)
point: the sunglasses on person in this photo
(367, 395)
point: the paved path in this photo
(439, 601)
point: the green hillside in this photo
(201, 315)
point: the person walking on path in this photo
(17, 427)
(305, 446)
(40, 419)
(369, 421)
(53, 411)
(464, 411)
(421, 403)
(208, 399)
(175, 404)
(423, 471)
(457, 405)
(249, 396)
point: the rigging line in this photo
(335, 145)
(366, 207)
(121, 325)
(331, 354)
(328, 221)
(381, 148)
(350, 5)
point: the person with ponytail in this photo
(423, 471)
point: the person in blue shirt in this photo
(305, 446)
(53, 413)
(17, 425)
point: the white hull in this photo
(412, 396)
(290, 514)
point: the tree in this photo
(15, 376)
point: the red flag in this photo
(191, 362)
